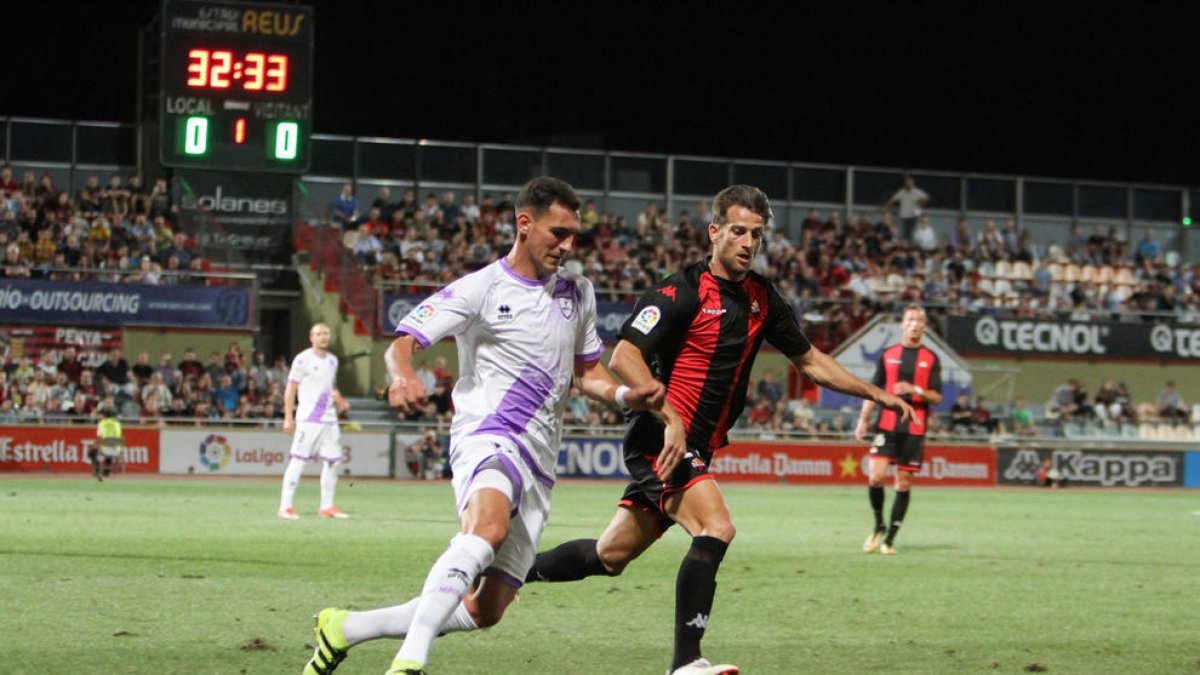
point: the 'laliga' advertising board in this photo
(1106, 468)
(763, 462)
(37, 448)
(225, 452)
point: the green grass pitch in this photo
(194, 575)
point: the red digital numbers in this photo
(221, 69)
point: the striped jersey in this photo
(518, 340)
(917, 365)
(699, 334)
(314, 377)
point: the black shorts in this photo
(906, 451)
(646, 491)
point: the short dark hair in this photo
(540, 193)
(745, 196)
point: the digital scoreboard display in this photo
(236, 86)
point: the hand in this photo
(860, 430)
(406, 395)
(289, 425)
(674, 448)
(903, 388)
(341, 405)
(896, 405)
(649, 396)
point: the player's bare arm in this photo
(595, 381)
(339, 402)
(289, 407)
(405, 392)
(827, 372)
(917, 393)
(629, 364)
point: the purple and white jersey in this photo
(518, 341)
(314, 378)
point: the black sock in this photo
(571, 561)
(694, 590)
(875, 492)
(898, 509)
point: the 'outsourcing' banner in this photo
(107, 304)
(991, 335)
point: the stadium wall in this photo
(159, 341)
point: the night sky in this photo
(1071, 92)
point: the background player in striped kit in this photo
(698, 331)
(913, 372)
(313, 422)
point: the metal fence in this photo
(625, 183)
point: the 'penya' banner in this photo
(107, 304)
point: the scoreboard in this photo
(236, 86)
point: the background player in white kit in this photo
(523, 331)
(313, 423)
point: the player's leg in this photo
(875, 493)
(490, 493)
(303, 444)
(883, 454)
(631, 531)
(701, 510)
(330, 446)
(910, 455)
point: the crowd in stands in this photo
(59, 388)
(836, 274)
(120, 232)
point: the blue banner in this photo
(609, 315)
(107, 304)
(585, 457)
(1191, 469)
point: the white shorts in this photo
(531, 500)
(312, 439)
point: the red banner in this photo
(35, 448)
(48, 342)
(846, 464)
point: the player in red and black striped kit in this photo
(698, 331)
(912, 371)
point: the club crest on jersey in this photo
(423, 313)
(566, 305)
(647, 319)
(754, 308)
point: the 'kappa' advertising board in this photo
(1107, 468)
(226, 452)
(845, 464)
(29, 448)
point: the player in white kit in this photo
(313, 423)
(524, 330)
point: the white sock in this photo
(328, 483)
(291, 478)
(394, 622)
(445, 587)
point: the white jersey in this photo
(518, 340)
(314, 376)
